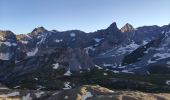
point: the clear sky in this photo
(22, 16)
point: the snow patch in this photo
(68, 73)
(58, 40)
(40, 87)
(105, 74)
(16, 87)
(116, 71)
(97, 39)
(163, 32)
(36, 79)
(128, 48)
(27, 97)
(38, 94)
(4, 56)
(150, 61)
(32, 53)
(161, 56)
(107, 65)
(66, 97)
(87, 95)
(126, 71)
(67, 86)
(167, 82)
(56, 66)
(72, 34)
(8, 43)
(98, 67)
(24, 42)
(144, 42)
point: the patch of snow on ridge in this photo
(66, 97)
(32, 53)
(68, 73)
(126, 71)
(107, 65)
(72, 34)
(38, 94)
(128, 48)
(167, 82)
(163, 32)
(56, 66)
(36, 79)
(43, 38)
(58, 40)
(105, 74)
(97, 39)
(150, 61)
(161, 55)
(4, 56)
(98, 67)
(8, 43)
(24, 42)
(27, 97)
(144, 42)
(67, 85)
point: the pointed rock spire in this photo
(127, 28)
(113, 27)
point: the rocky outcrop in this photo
(86, 92)
(127, 28)
(8, 45)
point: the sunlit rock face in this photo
(127, 28)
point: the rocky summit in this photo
(43, 61)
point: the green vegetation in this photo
(54, 80)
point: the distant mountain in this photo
(42, 53)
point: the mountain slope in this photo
(51, 55)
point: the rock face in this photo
(8, 45)
(127, 28)
(86, 92)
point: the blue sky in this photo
(22, 16)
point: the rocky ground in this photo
(86, 92)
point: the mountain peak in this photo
(7, 34)
(39, 30)
(127, 28)
(113, 27)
